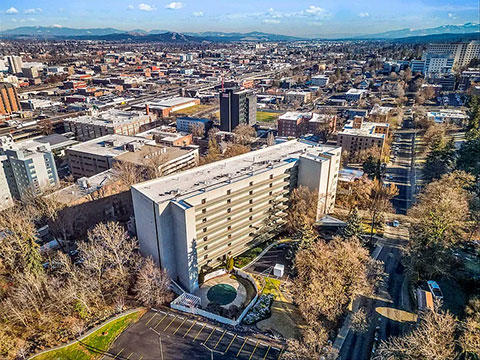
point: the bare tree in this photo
(152, 285)
(302, 209)
(433, 339)
(127, 172)
(244, 134)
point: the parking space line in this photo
(190, 328)
(170, 323)
(239, 351)
(148, 322)
(141, 357)
(128, 357)
(179, 326)
(206, 340)
(254, 349)
(118, 354)
(221, 337)
(231, 342)
(268, 349)
(280, 354)
(203, 327)
(160, 321)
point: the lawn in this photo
(91, 347)
(285, 318)
(246, 257)
(192, 110)
(265, 116)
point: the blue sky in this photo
(292, 17)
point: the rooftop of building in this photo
(367, 129)
(354, 91)
(180, 187)
(203, 120)
(166, 103)
(109, 118)
(109, 145)
(142, 155)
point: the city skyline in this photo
(301, 18)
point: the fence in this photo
(190, 303)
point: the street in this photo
(389, 312)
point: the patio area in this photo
(223, 290)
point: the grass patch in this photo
(247, 256)
(272, 286)
(100, 339)
(264, 116)
(192, 110)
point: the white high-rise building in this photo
(14, 63)
(192, 221)
(462, 52)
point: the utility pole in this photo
(160, 343)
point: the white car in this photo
(435, 289)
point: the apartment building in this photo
(27, 166)
(6, 199)
(237, 107)
(9, 102)
(358, 135)
(189, 124)
(95, 156)
(109, 122)
(14, 63)
(462, 52)
(320, 80)
(192, 221)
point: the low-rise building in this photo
(450, 116)
(358, 135)
(165, 107)
(94, 156)
(295, 124)
(113, 121)
(301, 97)
(194, 125)
(320, 80)
(354, 95)
(192, 221)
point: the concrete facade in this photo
(193, 220)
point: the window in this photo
(250, 218)
(205, 256)
(251, 183)
(229, 210)
(250, 192)
(204, 211)
(229, 192)
(229, 236)
(250, 210)
(204, 229)
(229, 218)
(205, 238)
(229, 201)
(250, 201)
(229, 227)
(205, 247)
(271, 185)
(204, 201)
(270, 193)
(204, 220)
(271, 176)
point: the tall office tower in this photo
(192, 221)
(8, 99)
(29, 166)
(462, 52)
(14, 63)
(237, 107)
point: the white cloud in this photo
(198, 13)
(314, 10)
(146, 7)
(33, 11)
(11, 11)
(271, 21)
(130, 7)
(176, 5)
(451, 16)
(57, 26)
(364, 14)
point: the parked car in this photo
(435, 289)
(395, 223)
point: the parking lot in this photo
(184, 338)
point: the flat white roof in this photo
(208, 177)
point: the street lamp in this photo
(160, 342)
(212, 351)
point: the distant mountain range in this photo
(403, 33)
(449, 32)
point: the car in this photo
(435, 289)
(389, 177)
(395, 223)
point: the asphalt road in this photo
(383, 309)
(182, 338)
(386, 312)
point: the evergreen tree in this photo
(354, 225)
(473, 114)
